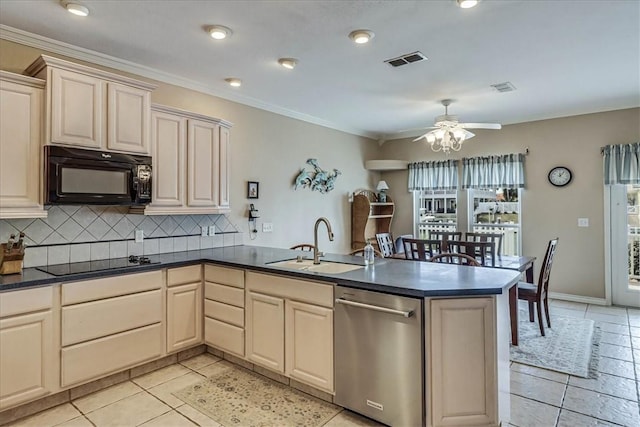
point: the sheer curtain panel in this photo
(442, 175)
(505, 171)
(621, 164)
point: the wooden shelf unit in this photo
(369, 217)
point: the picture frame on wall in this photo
(253, 190)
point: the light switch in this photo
(212, 230)
(203, 231)
(267, 227)
(583, 222)
(139, 236)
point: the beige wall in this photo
(271, 149)
(547, 211)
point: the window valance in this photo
(504, 171)
(621, 164)
(437, 175)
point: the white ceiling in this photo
(564, 57)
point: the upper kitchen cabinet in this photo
(90, 108)
(21, 100)
(191, 155)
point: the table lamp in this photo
(382, 187)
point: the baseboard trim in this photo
(578, 298)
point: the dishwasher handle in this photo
(374, 307)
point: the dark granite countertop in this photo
(395, 276)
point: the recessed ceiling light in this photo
(219, 32)
(289, 63)
(361, 36)
(466, 4)
(76, 9)
(234, 81)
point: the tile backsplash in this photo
(86, 233)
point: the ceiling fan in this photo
(448, 133)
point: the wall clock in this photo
(560, 176)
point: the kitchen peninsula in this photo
(228, 304)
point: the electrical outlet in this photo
(139, 236)
(212, 230)
(267, 227)
(203, 231)
(583, 222)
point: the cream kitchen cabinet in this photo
(184, 307)
(224, 309)
(29, 362)
(21, 105)
(190, 163)
(90, 108)
(290, 327)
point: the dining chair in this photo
(445, 237)
(399, 247)
(307, 247)
(455, 258)
(385, 243)
(360, 252)
(537, 294)
(421, 249)
(478, 250)
(496, 238)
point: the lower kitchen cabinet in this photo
(184, 307)
(265, 330)
(29, 363)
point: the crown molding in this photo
(61, 48)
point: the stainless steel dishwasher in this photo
(379, 362)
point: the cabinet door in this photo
(168, 150)
(265, 330)
(463, 335)
(128, 112)
(309, 343)
(184, 316)
(203, 154)
(20, 139)
(26, 358)
(225, 162)
(77, 109)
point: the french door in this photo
(623, 243)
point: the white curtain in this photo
(442, 175)
(622, 164)
(505, 171)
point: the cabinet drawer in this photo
(318, 293)
(224, 336)
(224, 275)
(26, 301)
(178, 276)
(95, 319)
(225, 294)
(224, 312)
(93, 359)
(73, 293)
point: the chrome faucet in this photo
(316, 252)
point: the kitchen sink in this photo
(323, 267)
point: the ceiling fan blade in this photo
(480, 125)
(420, 137)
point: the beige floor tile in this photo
(619, 320)
(573, 419)
(170, 419)
(614, 328)
(611, 310)
(196, 416)
(200, 361)
(616, 352)
(568, 304)
(635, 331)
(529, 413)
(636, 354)
(634, 321)
(616, 367)
(537, 388)
(105, 397)
(637, 365)
(566, 312)
(539, 372)
(608, 384)
(635, 342)
(160, 376)
(615, 339)
(216, 368)
(164, 391)
(80, 421)
(133, 410)
(347, 418)
(612, 409)
(50, 417)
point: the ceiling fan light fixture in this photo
(467, 4)
(361, 36)
(219, 32)
(235, 82)
(288, 63)
(76, 8)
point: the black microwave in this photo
(86, 177)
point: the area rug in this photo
(238, 397)
(570, 346)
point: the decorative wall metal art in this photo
(316, 180)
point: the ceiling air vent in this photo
(409, 58)
(504, 87)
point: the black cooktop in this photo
(100, 265)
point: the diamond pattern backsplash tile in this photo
(67, 229)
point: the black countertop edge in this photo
(256, 258)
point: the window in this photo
(434, 210)
(497, 211)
